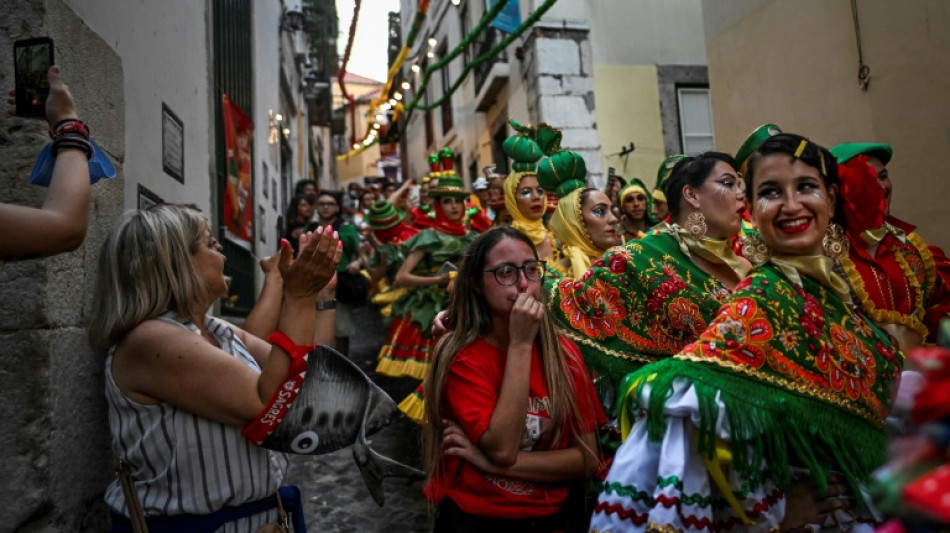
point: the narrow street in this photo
(335, 498)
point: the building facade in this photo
(606, 73)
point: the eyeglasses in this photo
(326, 204)
(507, 273)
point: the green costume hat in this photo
(752, 142)
(384, 215)
(448, 182)
(846, 151)
(522, 149)
(563, 171)
(663, 175)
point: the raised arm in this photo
(60, 224)
(502, 440)
(405, 277)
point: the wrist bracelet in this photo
(69, 125)
(325, 305)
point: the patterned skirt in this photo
(406, 352)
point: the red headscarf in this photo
(397, 234)
(443, 224)
(862, 197)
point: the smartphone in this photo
(447, 267)
(32, 59)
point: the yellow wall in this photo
(795, 64)
(628, 109)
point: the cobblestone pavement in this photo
(335, 498)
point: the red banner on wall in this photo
(238, 202)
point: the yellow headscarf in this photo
(534, 229)
(567, 224)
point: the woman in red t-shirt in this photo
(511, 408)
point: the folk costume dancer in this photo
(778, 408)
(423, 273)
(889, 266)
(650, 298)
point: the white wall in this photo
(164, 50)
(647, 32)
(266, 45)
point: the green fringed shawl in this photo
(803, 378)
(640, 303)
(425, 302)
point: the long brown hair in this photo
(470, 319)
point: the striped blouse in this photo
(182, 463)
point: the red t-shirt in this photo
(472, 387)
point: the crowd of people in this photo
(722, 352)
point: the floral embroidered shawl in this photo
(641, 302)
(805, 380)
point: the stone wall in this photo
(53, 427)
(556, 65)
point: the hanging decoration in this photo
(341, 74)
(388, 100)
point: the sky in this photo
(368, 57)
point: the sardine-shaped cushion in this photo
(338, 405)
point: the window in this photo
(446, 107)
(233, 76)
(696, 127)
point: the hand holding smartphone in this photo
(32, 59)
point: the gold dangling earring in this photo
(696, 225)
(754, 248)
(835, 242)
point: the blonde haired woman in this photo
(180, 384)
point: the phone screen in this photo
(32, 58)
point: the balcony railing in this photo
(488, 39)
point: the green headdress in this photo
(384, 215)
(563, 171)
(846, 151)
(448, 183)
(522, 149)
(755, 139)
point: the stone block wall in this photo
(558, 70)
(53, 425)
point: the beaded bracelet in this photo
(69, 125)
(71, 140)
(70, 133)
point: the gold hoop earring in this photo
(696, 225)
(835, 242)
(754, 248)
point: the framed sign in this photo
(264, 175)
(147, 198)
(173, 144)
(262, 226)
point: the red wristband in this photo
(69, 125)
(295, 351)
